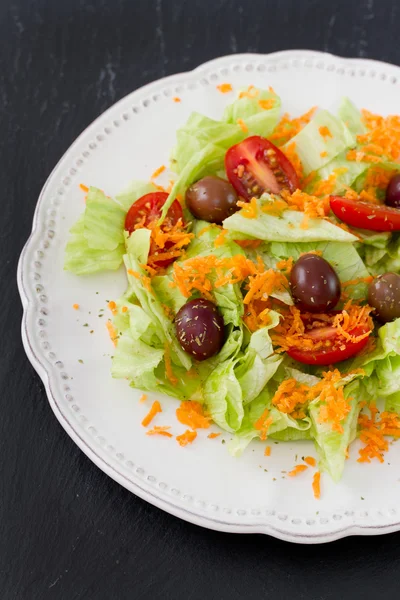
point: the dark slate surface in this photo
(67, 531)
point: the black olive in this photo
(212, 199)
(384, 297)
(200, 328)
(314, 284)
(393, 192)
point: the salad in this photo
(263, 286)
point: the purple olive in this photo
(393, 192)
(384, 296)
(212, 199)
(200, 328)
(314, 284)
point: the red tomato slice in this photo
(256, 166)
(374, 217)
(334, 354)
(147, 210)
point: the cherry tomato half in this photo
(335, 353)
(256, 166)
(374, 217)
(147, 210)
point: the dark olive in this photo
(314, 284)
(200, 328)
(211, 199)
(393, 192)
(384, 296)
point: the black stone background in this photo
(67, 531)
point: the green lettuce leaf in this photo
(197, 133)
(351, 116)
(310, 144)
(332, 445)
(80, 259)
(238, 380)
(133, 358)
(104, 221)
(382, 366)
(283, 426)
(346, 173)
(259, 121)
(138, 245)
(285, 228)
(96, 241)
(385, 258)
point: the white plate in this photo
(200, 483)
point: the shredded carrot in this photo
(290, 152)
(358, 280)
(285, 265)
(168, 365)
(310, 460)
(376, 182)
(112, 332)
(275, 208)
(373, 430)
(186, 438)
(316, 485)
(291, 332)
(203, 273)
(263, 424)
(158, 172)
(167, 242)
(288, 128)
(160, 431)
(205, 229)
(312, 206)
(248, 243)
(290, 396)
(297, 470)
(267, 104)
(293, 397)
(191, 413)
(220, 239)
(84, 188)
(143, 398)
(324, 132)
(176, 99)
(124, 309)
(113, 307)
(213, 435)
(323, 154)
(378, 177)
(325, 187)
(155, 409)
(224, 88)
(382, 137)
(249, 209)
(251, 92)
(261, 285)
(75, 306)
(267, 451)
(242, 125)
(360, 156)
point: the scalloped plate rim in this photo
(143, 491)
